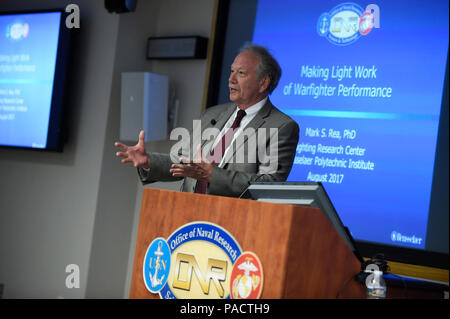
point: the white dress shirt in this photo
(249, 115)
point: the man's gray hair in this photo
(267, 66)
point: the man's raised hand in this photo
(199, 169)
(134, 154)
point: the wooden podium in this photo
(301, 253)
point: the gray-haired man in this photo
(254, 140)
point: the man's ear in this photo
(264, 84)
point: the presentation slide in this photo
(365, 83)
(28, 47)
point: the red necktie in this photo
(215, 156)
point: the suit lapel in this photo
(221, 120)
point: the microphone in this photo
(213, 122)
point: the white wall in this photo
(82, 206)
(187, 79)
(48, 200)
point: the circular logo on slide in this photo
(366, 23)
(17, 30)
(323, 24)
(344, 24)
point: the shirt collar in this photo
(255, 107)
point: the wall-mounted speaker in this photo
(120, 6)
(184, 47)
(144, 106)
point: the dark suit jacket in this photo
(264, 155)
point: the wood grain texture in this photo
(301, 253)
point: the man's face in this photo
(246, 88)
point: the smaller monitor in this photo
(302, 193)
(34, 63)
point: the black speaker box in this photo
(183, 47)
(120, 6)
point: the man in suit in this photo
(252, 140)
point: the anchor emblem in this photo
(156, 265)
(154, 280)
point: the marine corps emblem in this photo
(246, 277)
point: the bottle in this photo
(376, 286)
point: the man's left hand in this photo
(199, 169)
